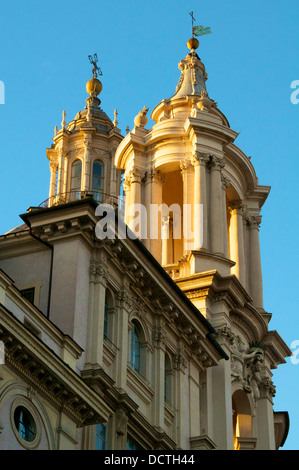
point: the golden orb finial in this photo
(193, 43)
(94, 86)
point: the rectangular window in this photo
(101, 436)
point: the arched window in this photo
(135, 349)
(76, 179)
(98, 180)
(167, 380)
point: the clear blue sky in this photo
(251, 59)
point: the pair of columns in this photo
(210, 229)
(245, 250)
(210, 226)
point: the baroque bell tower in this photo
(189, 162)
(82, 154)
(188, 170)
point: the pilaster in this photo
(216, 205)
(199, 162)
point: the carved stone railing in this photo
(98, 196)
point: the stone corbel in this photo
(159, 338)
(121, 422)
(267, 388)
(180, 363)
(225, 182)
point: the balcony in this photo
(99, 196)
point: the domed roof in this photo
(92, 114)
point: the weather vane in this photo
(199, 30)
(96, 68)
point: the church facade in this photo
(134, 331)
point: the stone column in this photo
(85, 186)
(188, 201)
(199, 162)
(152, 199)
(53, 170)
(225, 184)
(255, 267)
(135, 197)
(65, 174)
(222, 405)
(265, 416)
(237, 246)
(124, 304)
(97, 294)
(167, 241)
(127, 191)
(181, 403)
(158, 377)
(60, 178)
(216, 207)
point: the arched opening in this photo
(137, 349)
(97, 180)
(172, 221)
(76, 173)
(242, 419)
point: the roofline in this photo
(150, 257)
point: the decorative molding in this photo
(216, 163)
(246, 363)
(200, 158)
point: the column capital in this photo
(167, 220)
(254, 221)
(185, 166)
(53, 166)
(153, 176)
(135, 175)
(238, 206)
(127, 183)
(217, 163)
(200, 158)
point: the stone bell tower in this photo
(82, 154)
(188, 163)
(189, 160)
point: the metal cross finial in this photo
(193, 19)
(96, 68)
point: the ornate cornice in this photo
(47, 374)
